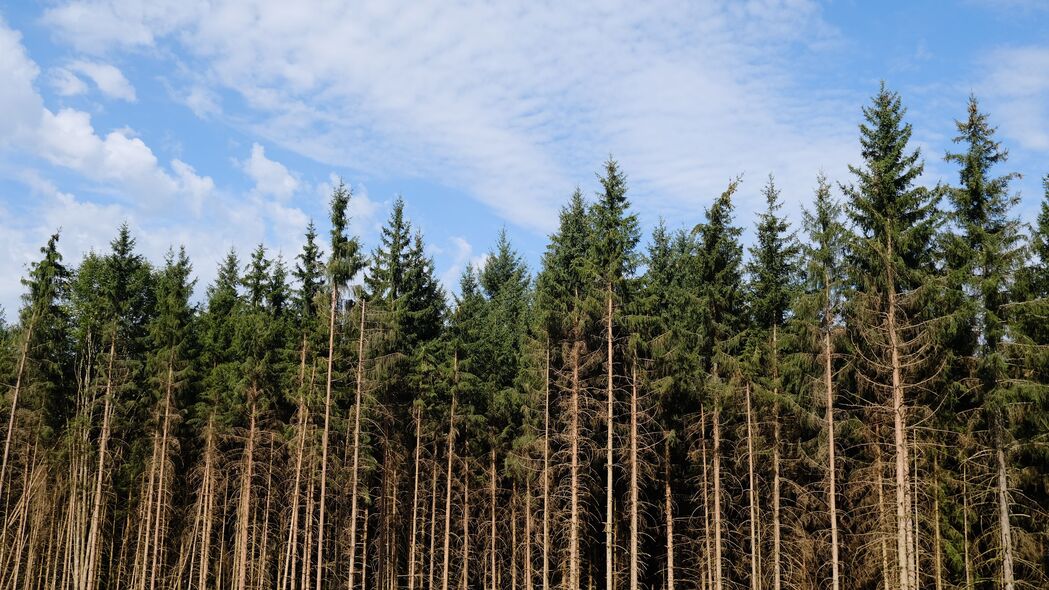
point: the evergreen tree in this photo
(892, 267)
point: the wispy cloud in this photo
(514, 102)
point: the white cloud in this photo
(107, 77)
(271, 177)
(514, 102)
(66, 83)
(1017, 81)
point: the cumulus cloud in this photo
(271, 177)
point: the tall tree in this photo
(895, 220)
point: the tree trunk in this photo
(491, 505)
(708, 573)
(882, 513)
(903, 499)
(324, 440)
(448, 480)
(755, 578)
(1004, 527)
(776, 526)
(634, 508)
(465, 579)
(668, 510)
(609, 566)
(433, 520)
(244, 512)
(832, 496)
(546, 472)
(89, 580)
(14, 403)
(573, 434)
(355, 466)
(937, 549)
(528, 535)
(718, 579)
(415, 501)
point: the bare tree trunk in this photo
(1004, 527)
(832, 496)
(160, 521)
(755, 578)
(244, 512)
(776, 527)
(89, 580)
(415, 500)
(573, 434)
(433, 521)
(324, 440)
(609, 566)
(708, 574)
(965, 527)
(882, 514)
(465, 580)
(14, 402)
(491, 506)
(355, 467)
(668, 509)
(448, 480)
(546, 473)
(903, 499)
(718, 578)
(634, 507)
(937, 549)
(528, 536)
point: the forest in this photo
(857, 400)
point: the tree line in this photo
(857, 402)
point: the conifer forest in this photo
(858, 399)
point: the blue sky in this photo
(222, 124)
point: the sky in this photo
(225, 123)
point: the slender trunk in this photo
(937, 549)
(464, 581)
(546, 472)
(433, 520)
(159, 523)
(14, 402)
(609, 566)
(573, 434)
(718, 579)
(528, 535)
(965, 527)
(355, 467)
(776, 527)
(448, 479)
(903, 499)
(324, 440)
(668, 510)
(882, 514)
(1004, 527)
(491, 505)
(708, 572)
(208, 495)
(89, 580)
(755, 579)
(244, 512)
(415, 500)
(634, 508)
(832, 496)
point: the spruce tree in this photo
(773, 270)
(891, 266)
